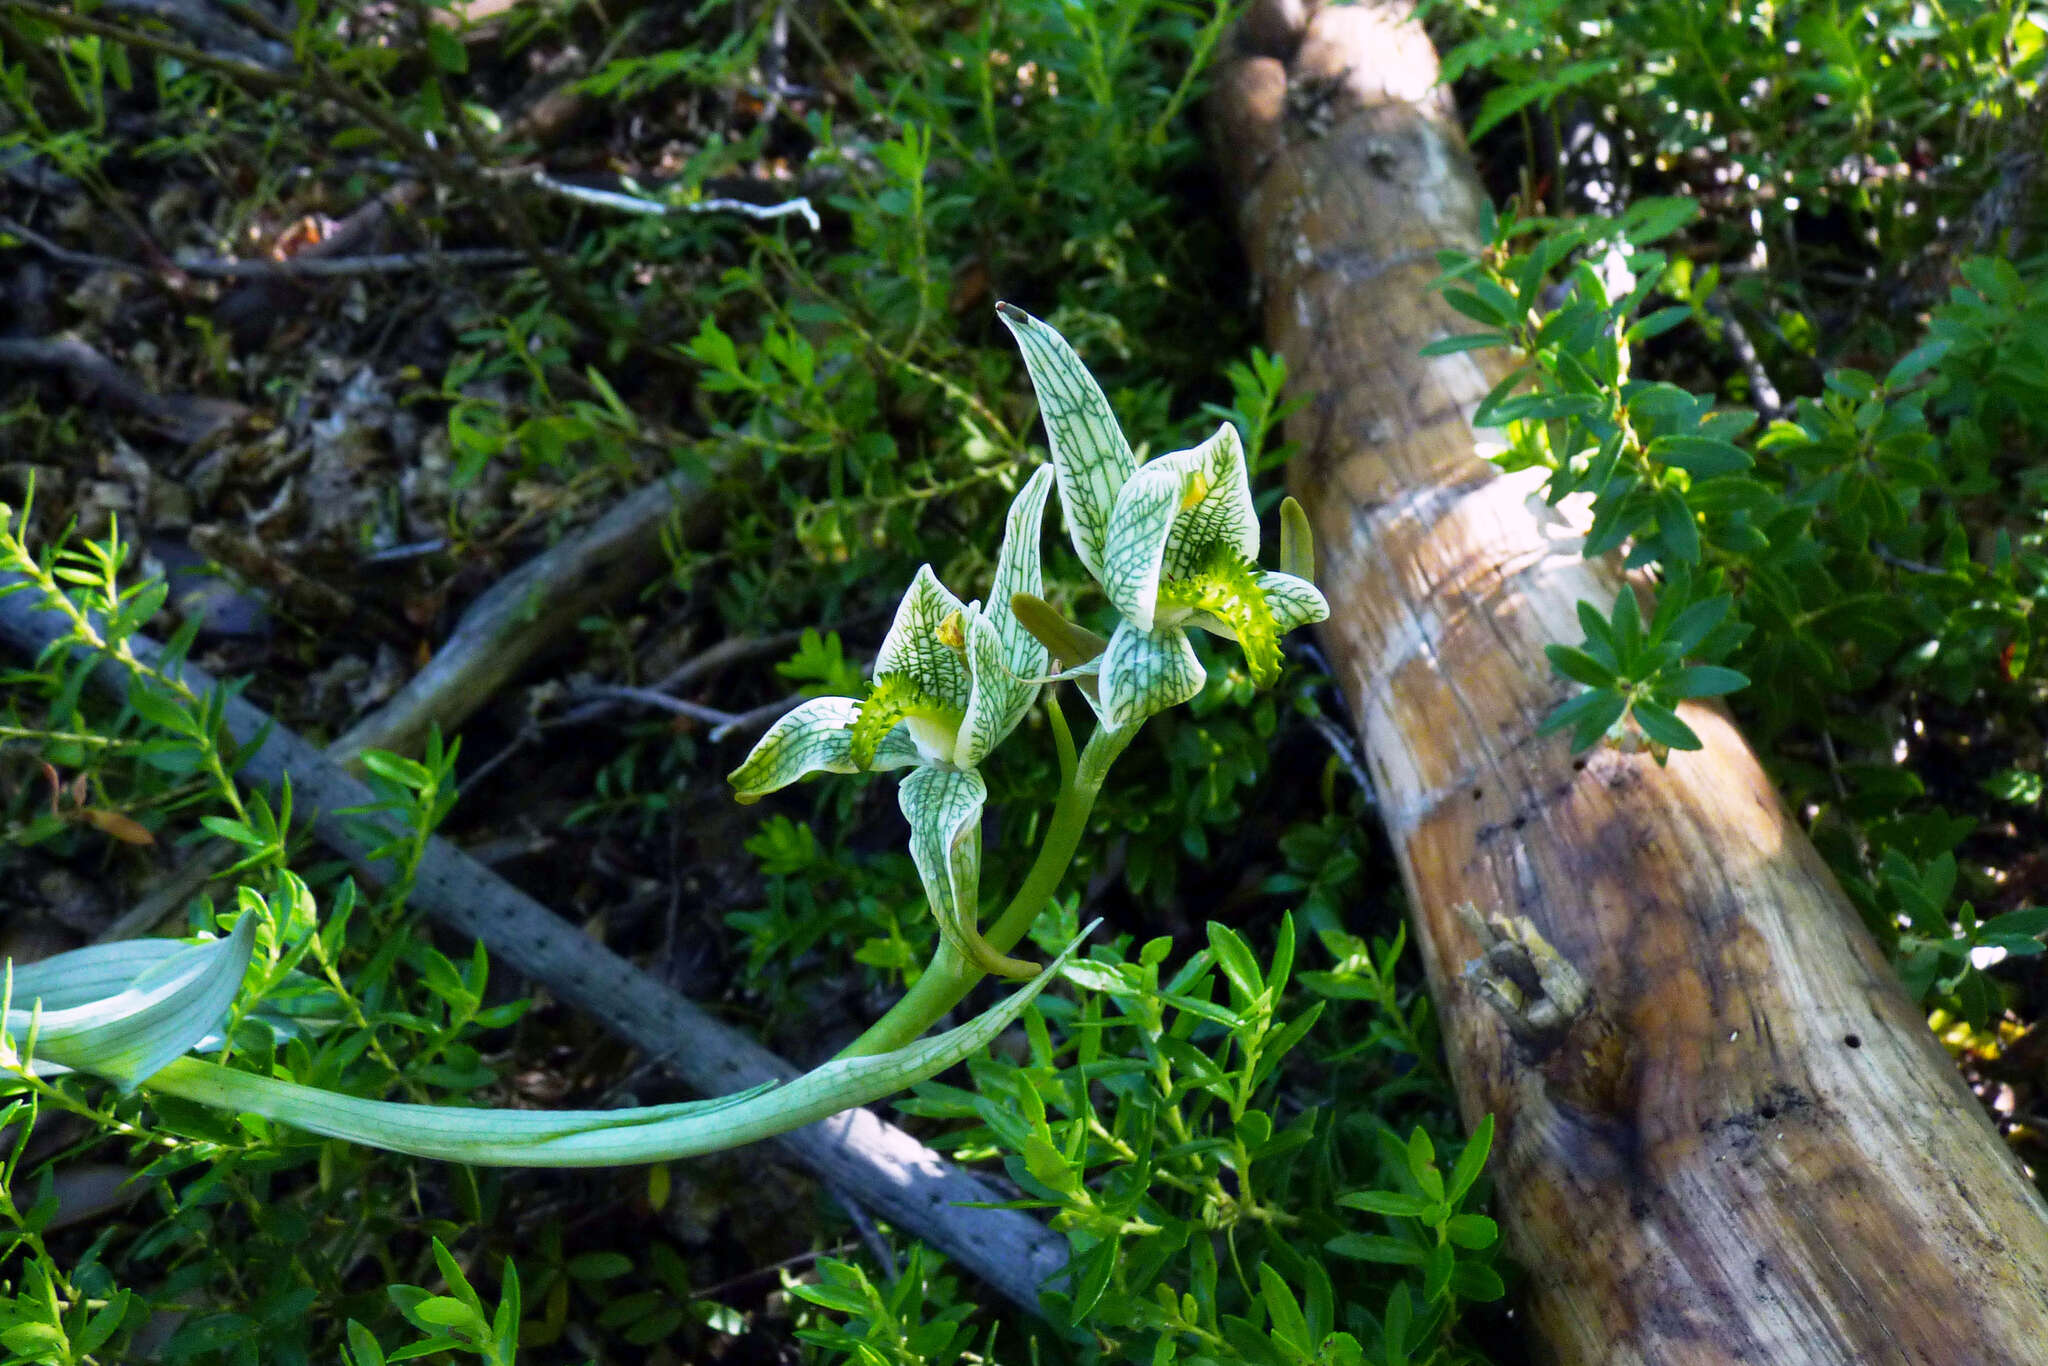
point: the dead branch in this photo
(527, 612)
(182, 417)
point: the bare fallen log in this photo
(1725, 1133)
(856, 1153)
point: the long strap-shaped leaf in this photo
(122, 1011)
(595, 1138)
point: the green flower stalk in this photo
(128, 1012)
(952, 680)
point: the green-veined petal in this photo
(1145, 672)
(812, 737)
(1000, 697)
(1135, 552)
(124, 1013)
(1223, 515)
(916, 644)
(897, 750)
(1088, 448)
(943, 806)
(600, 1138)
(1018, 571)
(1295, 601)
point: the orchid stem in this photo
(950, 977)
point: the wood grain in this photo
(1750, 1149)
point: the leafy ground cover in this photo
(1241, 1123)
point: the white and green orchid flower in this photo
(1173, 542)
(952, 679)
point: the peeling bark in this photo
(1743, 1145)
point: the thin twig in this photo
(726, 653)
(661, 701)
(877, 1246)
(1901, 562)
(722, 723)
(1763, 393)
(387, 263)
(1346, 751)
(628, 203)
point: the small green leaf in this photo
(1916, 362)
(1476, 1281)
(1237, 962)
(1703, 457)
(1706, 680)
(442, 1312)
(1468, 341)
(1472, 1161)
(363, 1346)
(1591, 713)
(1662, 725)
(1396, 1203)
(1695, 624)
(1681, 531)
(1375, 1247)
(1579, 666)
(1471, 1231)
(599, 1266)
(447, 49)
(1658, 323)
(1649, 220)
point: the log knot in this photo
(1558, 1028)
(1526, 981)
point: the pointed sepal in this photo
(1293, 600)
(1145, 672)
(812, 737)
(1019, 570)
(1088, 448)
(1297, 542)
(943, 806)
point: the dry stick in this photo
(201, 23)
(527, 611)
(858, 1152)
(723, 722)
(182, 416)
